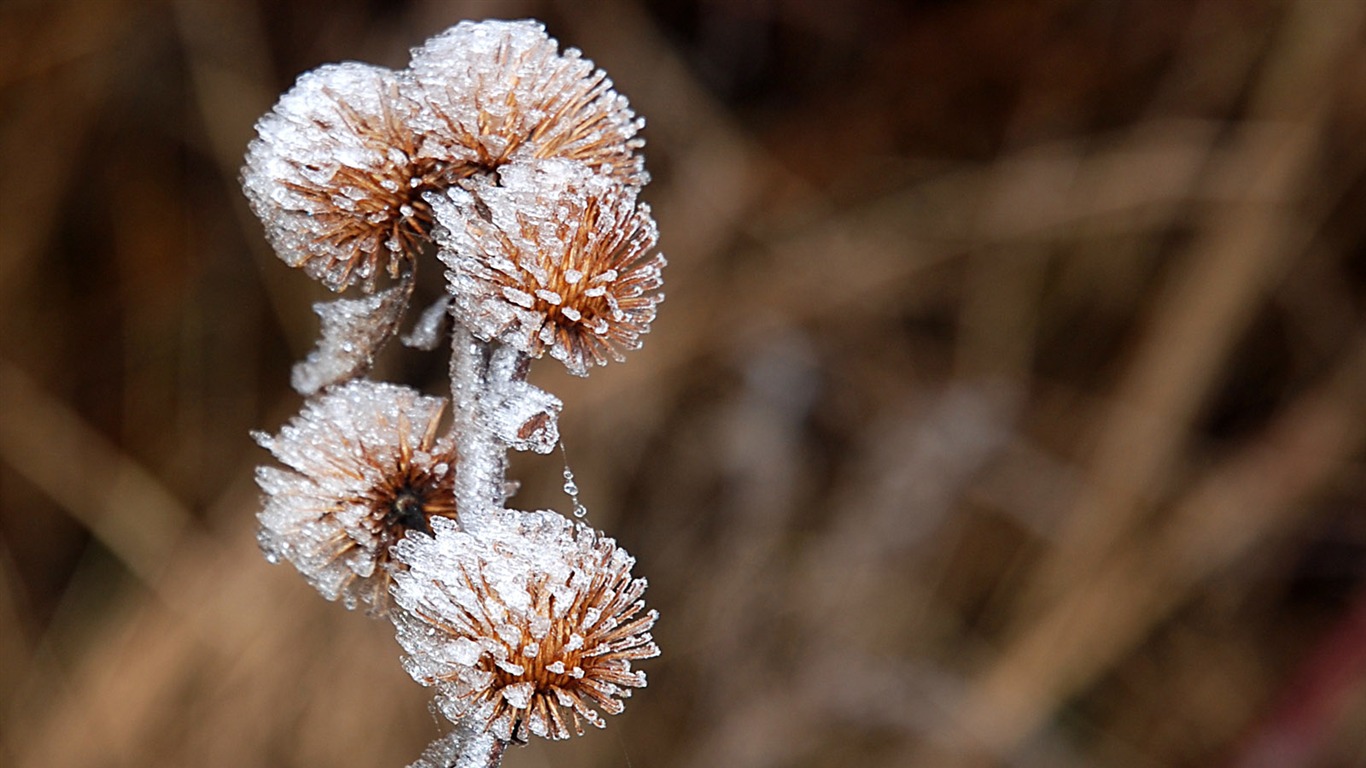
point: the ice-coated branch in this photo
(494, 409)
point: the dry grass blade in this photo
(1243, 248)
(1248, 498)
(123, 505)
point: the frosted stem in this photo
(484, 752)
(463, 747)
(480, 475)
(478, 751)
(482, 375)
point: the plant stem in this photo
(479, 751)
(480, 478)
(464, 747)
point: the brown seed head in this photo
(496, 90)
(337, 175)
(530, 629)
(554, 259)
(366, 468)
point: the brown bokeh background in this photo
(1007, 407)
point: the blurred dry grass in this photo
(1007, 408)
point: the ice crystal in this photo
(497, 89)
(426, 332)
(553, 259)
(528, 628)
(336, 174)
(521, 415)
(353, 330)
(365, 466)
(525, 417)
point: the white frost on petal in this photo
(518, 695)
(465, 651)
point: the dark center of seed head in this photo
(406, 511)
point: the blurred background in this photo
(1007, 407)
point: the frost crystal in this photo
(496, 89)
(553, 259)
(336, 177)
(353, 330)
(426, 333)
(525, 629)
(366, 466)
(525, 417)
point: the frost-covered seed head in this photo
(365, 467)
(336, 175)
(529, 628)
(554, 258)
(493, 89)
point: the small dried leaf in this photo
(353, 331)
(426, 332)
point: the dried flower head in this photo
(553, 259)
(526, 628)
(337, 174)
(494, 89)
(366, 466)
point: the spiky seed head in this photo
(496, 89)
(529, 628)
(552, 258)
(364, 467)
(337, 176)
